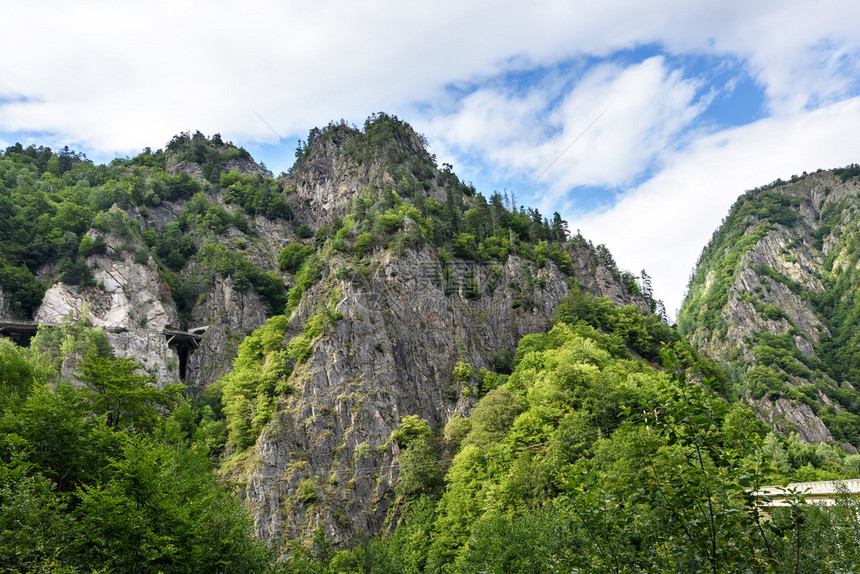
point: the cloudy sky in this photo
(640, 122)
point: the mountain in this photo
(772, 298)
(395, 373)
(364, 286)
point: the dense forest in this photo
(107, 472)
(604, 443)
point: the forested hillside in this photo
(396, 373)
(368, 273)
(58, 208)
(589, 457)
(773, 298)
(108, 473)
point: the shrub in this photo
(364, 244)
(293, 255)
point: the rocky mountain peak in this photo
(771, 299)
(338, 161)
(365, 286)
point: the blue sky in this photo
(639, 122)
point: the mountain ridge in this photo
(374, 272)
(765, 297)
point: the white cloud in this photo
(608, 129)
(123, 75)
(113, 77)
(804, 54)
(664, 223)
(644, 108)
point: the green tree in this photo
(293, 255)
(18, 376)
(124, 396)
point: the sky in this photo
(639, 122)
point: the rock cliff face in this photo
(134, 305)
(407, 315)
(327, 180)
(129, 302)
(230, 315)
(772, 299)
(5, 306)
(340, 162)
(409, 301)
(391, 355)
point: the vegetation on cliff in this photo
(772, 297)
(576, 451)
(588, 457)
(58, 210)
(407, 201)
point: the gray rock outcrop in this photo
(770, 297)
(230, 315)
(130, 302)
(391, 355)
(786, 418)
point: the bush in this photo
(307, 491)
(293, 255)
(412, 428)
(364, 244)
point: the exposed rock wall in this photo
(390, 356)
(795, 252)
(230, 315)
(5, 306)
(327, 180)
(329, 176)
(786, 418)
(130, 302)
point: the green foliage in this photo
(293, 255)
(72, 337)
(412, 428)
(748, 222)
(209, 154)
(304, 232)
(174, 249)
(18, 376)
(364, 244)
(79, 495)
(49, 215)
(299, 349)
(25, 291)
(309, 273)
(462, 372)
(257, 195)
(123, 396)
(421, 471)
(260, 373)
(216, 259)
(848, 172)
(307, 491)
(645, 334)
(406, 216)
(493, 416)
(534, 541)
